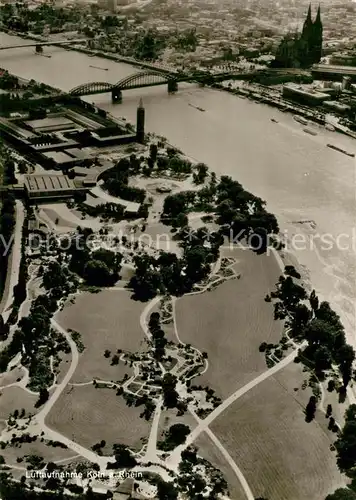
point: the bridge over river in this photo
(151, 78)
(39, 44)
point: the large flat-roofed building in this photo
(50, 124)
(49, 186)
(305, 96)
(333, 72)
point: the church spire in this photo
(308, 23)
(309, 18)
(318, 16)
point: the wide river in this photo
(299, 177)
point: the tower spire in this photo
(309, 16)
(318, 16)
(308, 23)
(140, 123)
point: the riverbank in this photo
(258, 94)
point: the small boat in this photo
(196, 107)
(336, 148)
(300, 119)
(330, 127)
(98, 67)
(308, 131)
(274, 120)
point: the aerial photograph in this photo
(177, 250)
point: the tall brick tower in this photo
(140, 123)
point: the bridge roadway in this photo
(39, 43)
(151, 79)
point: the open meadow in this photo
(231, 321)
(11, 377)
(281, 456)
(87, 415)
(108, 320)
(16, 398)
(49, 453)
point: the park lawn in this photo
(11, 377)
(108, 320)
(87, 415)
(49, 453)
(16, 398)
(231, 321)
(280, 454)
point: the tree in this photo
(310, 409)
(123, 457)
(177, 434)
(329, 410)
(166, 491)
(153, 152)
(200, 174)
(346, 442)
(342, 494)
(314, 301)
(43, 397)
(345, 357)
(97, 273)
(170, 395)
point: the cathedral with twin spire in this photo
(301, 50)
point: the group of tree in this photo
(243, 215)
(192, 483)
(176, 206)
(168, 273)
(148, 45)
(116, 180)
(8, 81)
(346, 444)
(187, 41)
(200, 173)
(158, 338)
(124, 459)
(175, 436)
(98, 268)
(318, 324)
(240, 214)
(7, 223)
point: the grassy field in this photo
(281, 456)
(106, 320)
(231, 321)
(88, 415)
(11, 377)
(49, 453)
(16, 398)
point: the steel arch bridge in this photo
(135, 81)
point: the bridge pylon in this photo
(39, 49)
(172, 86)
(116, 96)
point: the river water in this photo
(299, 177)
